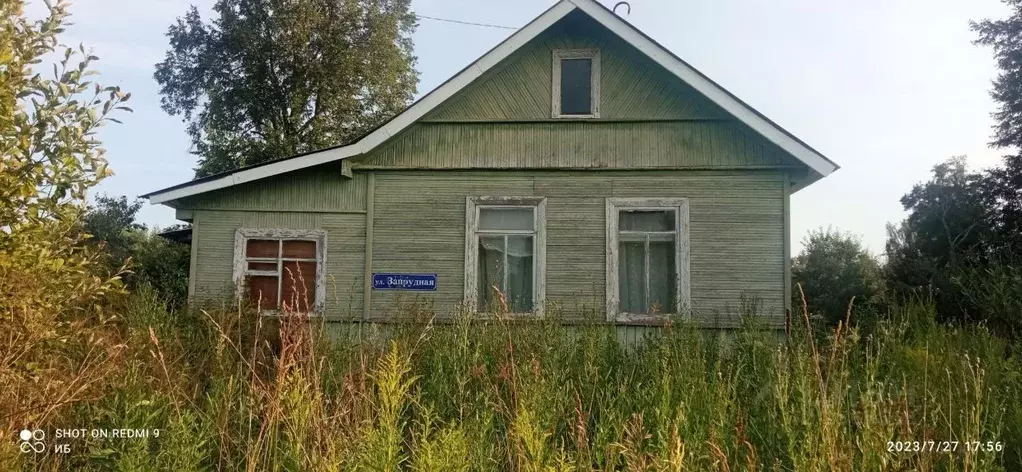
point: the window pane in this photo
(300, 249)
(660, 220)
(506, 218)
(663, 286)
(491, 270)
(262, 248)
(576, 86)
(631, 277)
(262, 266)
(298, 283)
(262, 291)
(519, 262)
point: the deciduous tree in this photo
(52, 288)
(832, 268)
(151, 259)
(951, 247)
(267, 79)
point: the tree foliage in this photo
(952, 247)
(1004, 184)
(50, 158)
(962, 240)
(832, 268)
(110, 222)
(948, 226)
(150, 258)
(271, 78)
(52, 285)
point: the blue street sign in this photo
(414, 282)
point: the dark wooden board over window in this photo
(281, 273)
(577, 86)
(269, 248)
(262, 291)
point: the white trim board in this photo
(820, 165)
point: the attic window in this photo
(576, 84)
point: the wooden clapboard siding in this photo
(312, 190)
(736, 221)
(656, 137)
(576, 145)
(345, 253)
(649, 119)
(633, 86)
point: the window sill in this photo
(279, 315)
(576, 117)
(486, 316)
(643, 319)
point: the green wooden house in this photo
(576, 164)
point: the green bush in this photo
(832, 269)
(149, 258)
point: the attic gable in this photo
(811, 160)
(632, 86)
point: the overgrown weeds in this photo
(232, 391)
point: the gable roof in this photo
(819, 165)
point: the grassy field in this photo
(228, 391)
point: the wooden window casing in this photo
(276, 268)
(557, 87)
(679, 234)
(475, 232)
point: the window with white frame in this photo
(647, 258)
(505, 254)
(281, 269)
(576, 83)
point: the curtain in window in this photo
(517, 289)
(647, 276)
(642, 292)
(491, 269)
(519, 265)
(662, 285)
(632, 276)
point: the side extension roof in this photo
(819, 165)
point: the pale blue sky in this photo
(885, 88)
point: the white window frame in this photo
(681, 262)
(241, 237)
(558, 56)
(472, 232)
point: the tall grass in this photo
(232, 391)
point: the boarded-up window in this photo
(281, 273)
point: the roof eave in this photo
(815, 161)
(401, 121)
